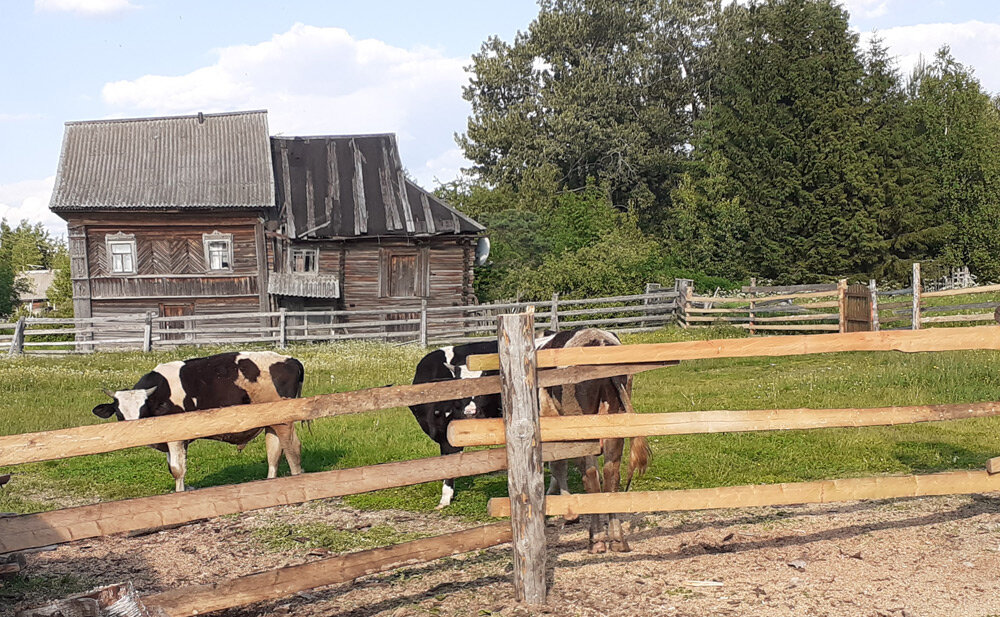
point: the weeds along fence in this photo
(419, 323)
(529, 441)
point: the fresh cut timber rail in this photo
(27, 531)
(950, 339)
(823, 491)
(489, 432)
(99, 438)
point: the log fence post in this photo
(525, 478)
(873, 290)
(147, 333)
(842, 304)
(685, 289)
(753, 294)
(423, 322)
(17, 342)
(554, 320)
(915, 317)
(282, 328)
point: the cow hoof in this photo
(441, 506)
(620, 547)
(598, 547)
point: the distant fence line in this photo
(416, 324)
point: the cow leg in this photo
(592, 482)
(177, 463)
(273, 445)
(448, 486)
(613, 449)
(289, 444)
(559, 484)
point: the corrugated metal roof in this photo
(202, 161)
(354, 186)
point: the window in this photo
(121, 253)
(218, 251)
(305, 261)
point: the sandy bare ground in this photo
(905, 558)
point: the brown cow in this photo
(599, 396)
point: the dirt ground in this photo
(905, 558)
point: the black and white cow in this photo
(446, 364)
(221, 380)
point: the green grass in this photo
(47, 393)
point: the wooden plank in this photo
(525, 475)
(941, 339)
(59, 526)
(98, 438)
(993, 465)
(810, 317)
(961, 292)
(955, 307)
(842, 304)
(825, 327)
(917, 288)
(273, 584)
(957, 318)
(489, 432)
(816, 294)
(824, 491)
(789, 289)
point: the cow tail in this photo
(639, 454)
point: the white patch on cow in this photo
(263, 389)
(171, 371)
(130, 402)
(446, 494)
(470, 409)
(465, 373)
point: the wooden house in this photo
(166, 215)
(207, 214)
(354, 233)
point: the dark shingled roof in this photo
(353, 186)
(196, 162)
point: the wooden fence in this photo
(419, 323)
(522, 372)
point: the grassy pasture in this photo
(48, 393)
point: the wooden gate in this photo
(858, 309)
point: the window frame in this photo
(216, 236)
(305, 250)
(121, 239)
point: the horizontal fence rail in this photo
(418, 323)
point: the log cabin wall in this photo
(170, 266)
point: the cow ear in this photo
(149, 391)
(104, 410)
(108, 392)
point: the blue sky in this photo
(319, 67)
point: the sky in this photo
(320, 67)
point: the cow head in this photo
(127, 405)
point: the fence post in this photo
(685, 289)
(915, 319)
(147, 333)
(525, 479)
(554, 320)
(873, 290)
(423, 322)
(842, 304)
(17, 343)
(282, 330)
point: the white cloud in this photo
(316, 81)
(29, 200)
(84, 7)
(975, 44)
(440, 169)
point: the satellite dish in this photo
(482, 251)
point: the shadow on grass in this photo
(246, 468)
(935, 456)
